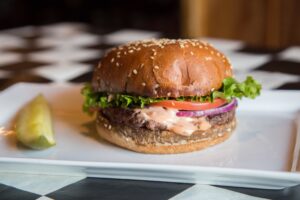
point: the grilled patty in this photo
(134, 119)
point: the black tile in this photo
(11, 193)
(87, 77)
(114, 189)
(92, 62)
(290, 86)
(284, 66)
(25, 50)
(22, 77)
(23, 66)
(255, 50)
(102, 46)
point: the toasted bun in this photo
(160, 68)
(162, 142)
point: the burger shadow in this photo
(91, 132)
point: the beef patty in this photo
(134, 119)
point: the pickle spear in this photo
(34, 126)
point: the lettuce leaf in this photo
(231, 88)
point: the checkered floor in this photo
(68, 52)
(92, 188)
(115, 189)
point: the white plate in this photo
(262, 152)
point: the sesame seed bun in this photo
(161, 68)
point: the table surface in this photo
(67, 52)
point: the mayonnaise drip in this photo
(180, 125)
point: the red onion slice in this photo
(199, 113)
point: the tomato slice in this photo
(189, 105)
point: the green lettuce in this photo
(231, 88)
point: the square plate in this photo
(262, 152)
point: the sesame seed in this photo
(142, 65)
(200, 46)
(109, 127)
(212, 52)
(156, 86)
(224, 61)
(155, 92)
(105, 125)
(169, 94)
(144, 84)
(130, 51)
(117, 64)
(118, 56)
(192, 53)
(112, 60)
(152, 57)
(218, 54)
(156, 67)
(134, 71)
(173, 104)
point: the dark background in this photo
(160, 15)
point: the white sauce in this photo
(180, 125)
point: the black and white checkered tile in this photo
(115, 189)
(68, 52)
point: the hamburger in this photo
(165, 96)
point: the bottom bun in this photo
(162, 142)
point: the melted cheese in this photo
(180, 125)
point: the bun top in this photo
(161, 68)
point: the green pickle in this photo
(34, 126)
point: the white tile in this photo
(269, 80)
(64, 29)
(44, 198)
(223, 45)
(38, 184)
(129, 35)
(82, 39)
(206, 192)
(292, 53)
(7, 58)
(246, 62)
(62, 55)
(11, 41)
(26, 31)
(62, 72)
